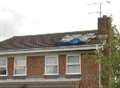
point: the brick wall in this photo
(89, 71)
(62, 64)
(105, 30)
(10, 67)
(35, 65)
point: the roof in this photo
(39, 41)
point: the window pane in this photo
(20, 62)
(2, 70)
(20, 70)
(73, 59)
(3, 62)
(51, 60)
(73, 69)
(51, 69)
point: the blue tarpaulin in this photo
(76, 39)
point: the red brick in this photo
(90, 70)
(10, 67)
(62, 64)
(35, 65)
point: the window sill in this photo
(3, 75)
(51, 74)
(21, 75)
(73, 73)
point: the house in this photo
(60, 60)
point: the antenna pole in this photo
(99, 12)
(100, 9)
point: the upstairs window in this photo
(20, 66)
(73, 64)
(3, 66)
(51, 65)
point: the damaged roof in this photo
(40, 41)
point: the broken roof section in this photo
(49, 40)
(77, 39)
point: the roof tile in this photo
(37, 41)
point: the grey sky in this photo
(23, 17)
(9, 21)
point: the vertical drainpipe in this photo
(100, 86)
(99, 68)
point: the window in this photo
(51, 65)
(3, 66)
(73, 64)
(20, 66)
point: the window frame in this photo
(57, 64)
(68, 64)
(23, 57)
(5, 66)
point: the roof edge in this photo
(53, 49)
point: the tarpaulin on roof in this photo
(77, 39)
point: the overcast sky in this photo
(26, 17)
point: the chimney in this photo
(104, 27)
(104, 33)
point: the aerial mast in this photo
(100, 7)
(100, 12)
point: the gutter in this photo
(53, 49)
(39, 80)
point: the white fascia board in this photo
(52, 49)
(40, 80)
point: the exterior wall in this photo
(35, 68)
(10, 67)
(90, 71)
(62, 64)
(35, 65)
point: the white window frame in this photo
(47, 56)
(20, 57)
(67, 64)
(5, 65)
